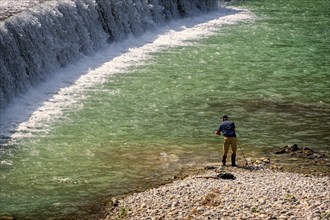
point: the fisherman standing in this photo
(227, 128)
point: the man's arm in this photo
(218, 131)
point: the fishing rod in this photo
(246, 162)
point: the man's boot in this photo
(233, 160)
(224, 160)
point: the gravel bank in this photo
(256, 194)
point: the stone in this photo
(261, 194)
(175, 204)
(7, 217)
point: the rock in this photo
(265, 160)
(7, 217)
(114, 201)
(279, 150)
(175, 204)
(260, 195)
(295, 150)
(200, 209)
(210, 167)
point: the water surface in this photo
(142, 126)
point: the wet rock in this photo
(295, 150)
(279, 150)
(114, 201)
(7, 217)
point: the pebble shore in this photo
(254, 194)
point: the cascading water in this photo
(133, 114)
(40, 41)
(56, 33)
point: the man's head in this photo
(225, 118)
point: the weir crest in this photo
(53, 34)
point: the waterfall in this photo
(53, 34)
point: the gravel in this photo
(254, 194)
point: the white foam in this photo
(65, 90)
(9, 7)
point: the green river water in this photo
(138, 129)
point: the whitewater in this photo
(9, 7)
(34, 114)
(34, 111)
(123, 115)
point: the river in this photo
(138, 112)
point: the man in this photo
(227, 128)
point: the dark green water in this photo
(137, 129)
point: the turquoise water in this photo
(140, 128)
